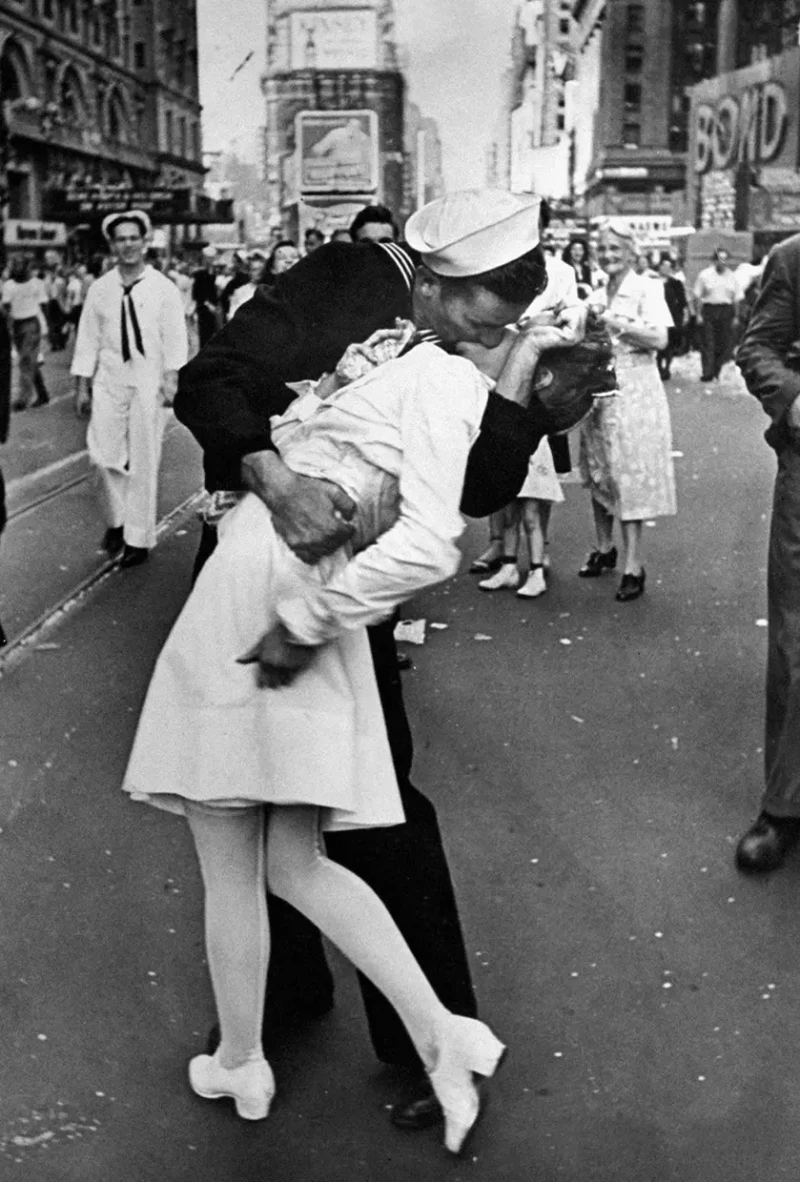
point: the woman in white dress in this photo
(625, 457)
(214, 746)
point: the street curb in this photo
(12, 655)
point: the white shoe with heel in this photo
(466, 1048)
(251, 1086)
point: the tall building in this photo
(633, 65)
(424, 180)
(335, 102)
(531, 149)
(102, 111)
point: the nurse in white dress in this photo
(214, 745)
(625, 457)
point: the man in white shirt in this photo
(24, 304)
(131, 343)
(716, 293)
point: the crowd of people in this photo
(352, 405)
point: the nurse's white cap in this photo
(473, 231)
(129, 215)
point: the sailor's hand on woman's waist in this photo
(312, 516)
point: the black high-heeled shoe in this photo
(598, 562)
(631, 587)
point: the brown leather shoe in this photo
(421, 1111)
(767, 842)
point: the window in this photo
(634, 59)
(560, 123)
(631, 135)
(632, 98)
(71, 98)
(563, 27)
(182, 137)
(168, 132)
(635, 18)
(139, 56)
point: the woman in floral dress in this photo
(626, 443)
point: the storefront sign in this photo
(337, 151)
(18, 232)
(82, 203)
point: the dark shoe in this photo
(767, 842)
(133, 556)
(42, 400)
(3, 637)
(113, 541)
(19, 406)
(404, 662)
(421, 1111)
(597, 563)
(631, 587)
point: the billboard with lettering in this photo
(337, 151)
(744, 133)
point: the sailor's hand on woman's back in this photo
(312, 516)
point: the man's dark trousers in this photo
(406, 867)
(782, 738)
(717, 339)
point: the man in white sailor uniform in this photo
(474, 266)
(131, 343)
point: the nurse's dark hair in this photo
(517, 282)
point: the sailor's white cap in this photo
(128, 215)
(474, 230)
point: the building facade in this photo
(101, 109)
(531, 149)
(744, 129)
(335, 112)
(424, 180)
(633, 65)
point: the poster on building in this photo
(744, 128)
(337, 151)
(344, 39)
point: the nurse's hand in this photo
(278, 659)
(312, 516)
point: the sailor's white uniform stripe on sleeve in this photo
(401, 260)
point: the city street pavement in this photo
(55, 526)
(592, 763)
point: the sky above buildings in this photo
(456, 51)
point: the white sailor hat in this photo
(475, 230)
(128, 215)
